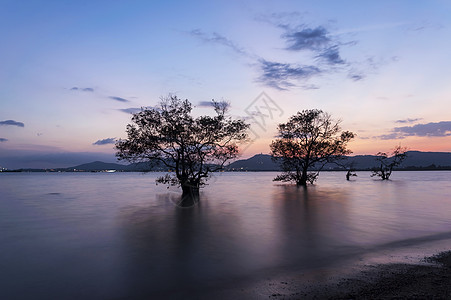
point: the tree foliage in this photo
(309, 139)
(191, 147)
(389, 161)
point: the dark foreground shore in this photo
(431, 279)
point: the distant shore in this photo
(67, 170)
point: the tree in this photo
(387, 163)
(310, 139)
(191, 147)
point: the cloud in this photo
(331, 56)
(12, 123)
(391, 136)
(408, 120)
(430, 129)
(439, 129)
(205, 104)
(273, 74)
(310, 87)
(118, 99)
(105, 141)
(308, 38)
(3, 140)
(130, 110)
(280, 75)
(317, 42)
(219, 39)
(355, 76)
(88, 89)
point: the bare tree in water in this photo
(191, 147)
(387, 162)
(310, 139)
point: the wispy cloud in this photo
(12, 123)
(429, 129)
(318, 40)
(438, 129)
(321, 51)
(205, 104)
(310, 87)
(391, 136)
(130, 110)
(278, 75)
(281, 75)
(88, 89)
(331, 56)
(307, 38)
(356, 76)
(120, 99)
(105, 141)
(216, 38)
(221, 104)
(408, 120)
(3, 140)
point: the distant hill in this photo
(414, 160)
(98, 166)
(101, 166)
(424, 159)
(259, 162)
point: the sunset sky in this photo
(71, 72)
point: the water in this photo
(118, 235)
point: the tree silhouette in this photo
(191, 147)
(310, 139)
(387, 163)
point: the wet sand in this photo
(390, 281)
(430, 278)
(402, 274)
(391, 275)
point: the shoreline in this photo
(429, 279)
(418, 272)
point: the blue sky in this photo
(72, 71)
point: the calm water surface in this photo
(118, 235)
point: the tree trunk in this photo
(190, 195)
(302, 181)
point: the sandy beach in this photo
(429, 280)
(412, 273)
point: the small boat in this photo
(110, 171)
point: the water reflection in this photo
(171, 250)
(312, 226)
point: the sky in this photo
(72, 72)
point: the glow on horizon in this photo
(71, 71)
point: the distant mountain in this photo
(425, 159)
(259, 162)
(414, 160)
(98, 166)
(262, 162)
(101, 166)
